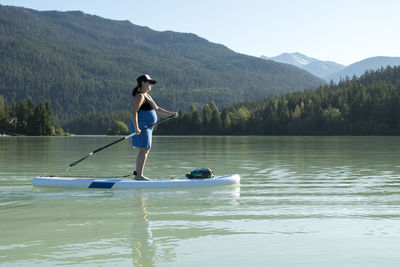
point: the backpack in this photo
(200, 174)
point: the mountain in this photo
(358, 68)
(295, 59)
(317, 67)
(84, 63)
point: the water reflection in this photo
(338, 195)
(138, 228)
(144, 253)
(163, 219)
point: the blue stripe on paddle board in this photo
(101, 185)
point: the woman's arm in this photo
(158, 109)
(166, 112)
(138, 100)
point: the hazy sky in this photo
(344, 31)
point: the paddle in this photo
(117, 141)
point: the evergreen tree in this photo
(195, 120)
(22, 114)
(4, 116)
(215, 119)
(225, 121)
(41, 123)
(206, 115)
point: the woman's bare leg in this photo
(141, 162)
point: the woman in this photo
(144, 113)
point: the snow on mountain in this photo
(317, 67)
(330, 70)
(301, 59)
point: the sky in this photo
(343, 31)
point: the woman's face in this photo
(146, 86)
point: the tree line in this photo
(27, 119)
(369, 105)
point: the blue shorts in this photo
(145, 118)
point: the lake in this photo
(302, 201)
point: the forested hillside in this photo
(369, 105)
(87, 64)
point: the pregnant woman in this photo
(144, 113)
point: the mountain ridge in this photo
(315, 66)
(360, 67)
(84, 63)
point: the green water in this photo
(302, 201)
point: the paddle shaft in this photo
(117, 141)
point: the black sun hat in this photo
(145, 78)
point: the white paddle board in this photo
(117, 183)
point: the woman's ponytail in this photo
(135, 91)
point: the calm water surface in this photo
(302, 201)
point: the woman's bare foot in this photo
(142, 178)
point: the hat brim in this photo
(152, 81)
